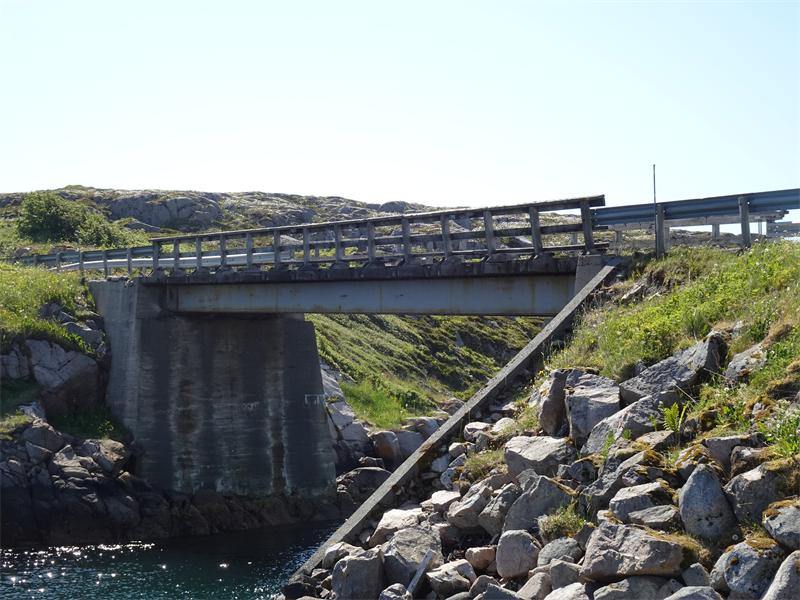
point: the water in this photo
(246, 565)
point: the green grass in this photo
(562, 521)
(378, 406)
(95, 424)
(478, 466)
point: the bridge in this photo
(216, 371)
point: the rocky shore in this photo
(598, 500)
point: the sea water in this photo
(245, 565)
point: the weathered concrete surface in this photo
(227, 402)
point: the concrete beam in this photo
(521, 294)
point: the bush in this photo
(47, 217)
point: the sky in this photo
(441, 103)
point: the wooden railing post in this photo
(488, 226)
(406, 239)
(536, 231)
(586, 219)
(447, 244)
(744, 217)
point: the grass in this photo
(562, 521)
(478, 466)
(95, 424)
(375, 405)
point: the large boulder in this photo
(493, 516)
(638, 587)
(517, 553)
(589, 399)
(615, 552)
(543, 454)
(786, 582)
(720, 448)
(639, 497)
(549, 403)
(563, 548)
(744, 363)
(388, 448)
(465, 514)
(451, 578)
(752, 492)
(782, 522)
(69, 380)
(157, 209)
(392, 521)
(747, 568)
(704, 508)
(404, 553)
(544, 496)
(358, 576)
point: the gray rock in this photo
(537, 587)
(564, 573)
(583, 471)
(639, 497)
(404, 553)
(543, 454)
(333, 391)
(69, 380)
(695, 593)
(543, 497)
(481, 557)
(617, 551)
(451, 578)
(365, 480)
(15, 365)
(720, 448)
(563, 548)
(634, 418)
(744, 363)
(41, 434)
(589, 399)
(517, 553)
(665, 517)
(690, 457)
(396, 591)
(782, 522)
(609, 480)
(394, 520)
(92, 337)
(441, 501)
(752, 492)
(672, 586)
(696, 576)
(549, 403)
(358, 576)
(409, 442)
(337, 551)
(110, 455)
(495, 592)
(659, 440)
(748, 568)
(465, 514)
(480, 585)
(471, 430)
(573, 591)
(638, 587)
(493, 516)
(425, 426)
(704, 509)
(786, 582)
(388, 448)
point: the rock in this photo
(392, 521)
(358, 576)
(110, 455)
(639, 497)
(299, 587)
(456, 449)
(493, 516)
(337, 551)
(92, 337)
(465, 513)
(156, 209)
(720, 448)
(404, 553)
(395, 591)
(744, 458)
(752, 492)
(574, 591)
(665, 517)
(696, 576)
(15, 365)
(495, 592)
(41, 434)
(549, 403)
(451, 578)
(388, 448)
(690, 457)
(634, 418)
(537, 587)
(564, 573)
(589, 399)
(69, 381)
(365, 480)
(748, 568)
(341, 413)
(744, 363)
(517, 553)
(782, 522)
(659, 440)
(471, 430)
(409, 442)
(542, 454)
(563, 548)
(543, 497)
(480, 585)
(704, 509)
(618, 551)
(441, 501)
(426, 426)
(638, 587)
(480, 557)
(695, 593)
(786, 582)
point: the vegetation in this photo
(562, 521)
(98, 423)
(479, 465)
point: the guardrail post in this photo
(337, 248)
(586, 218)
(35, 260)
(660, 231)
(406, 239)
(447, 244)
(80, 262)
(176, 257)
(488, 227)
(105, 264)
(306, 247)
(223, 252)
(198, 254)
(58, 262)
(248, 245)
(371, 248)
(536, 231)
(744, 216)
(129, 257)
(276, 248)
(156, 248)
(715, 230)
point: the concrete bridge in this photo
(216, 371)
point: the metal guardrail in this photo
(383, 240)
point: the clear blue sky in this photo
(443, 103)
